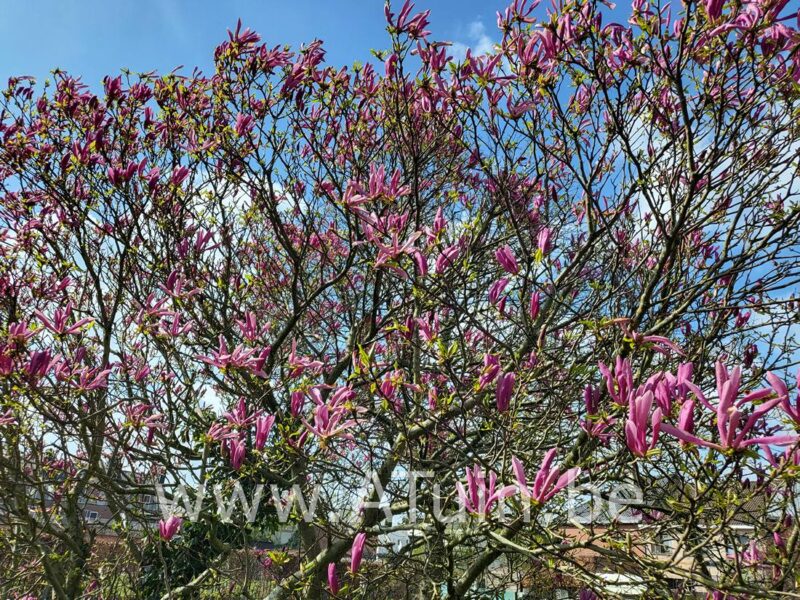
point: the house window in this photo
(739, 542)
(91, 516)
(663, 545)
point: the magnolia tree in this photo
(418, 314)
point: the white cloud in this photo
(477, 40)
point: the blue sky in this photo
(93, 38)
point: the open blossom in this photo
(491, 367)
(59, 322)
(299, 364)
(414, 26)
(389, 253)
(19, 332)
(735, 420)
(239, 357)
(219, 432)
(137, 416)
(175, 287)
(752, 555)
(92, 379)
(782, 391)
(479, 498)
(330, 421)
(167, 529)
(238, 417)
(548, 481)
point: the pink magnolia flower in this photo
(619, 383)
(505, 256)
(587, 594)
(357, 552)
(496, 289)
(330, 422)
(389, 253)
(686, 417)
(179, 174)
(491, 367)
(39, 363)
(753, 555)
(543, 242)
(263, 427)
(713, 8)
(223, 359)
(429, 327)
(19, 332)
(791, 456)
(167, 529)
(238, 417)
(59, 325)
(782, 391)
(298, 401)
(637, 424)
(448, 256)
(92, 379)
(421, 262)
(414, 26)
(505, 388)
(237, 451)
(733, 424)
(592, 424)
(8, 418)
(657, 343)
(174, 287)
(118, 176)
(299, 364)
(6, 361)
(333, 580)
(219, 432)
(173, 327)
(439, 222)
(244, 124)
(137, 416)
(549, 479)
(779, 542)
(478, 498)
(533, 307)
